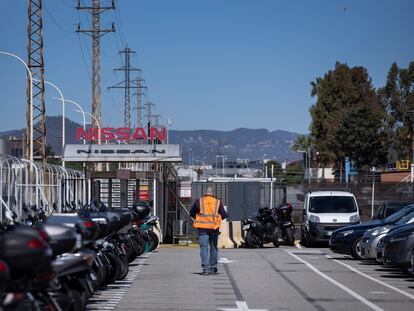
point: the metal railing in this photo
(27, 186)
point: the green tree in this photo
(397, 97)
(348, 104)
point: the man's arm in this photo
(195, 209)
(222, 211)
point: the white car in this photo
(326, 211)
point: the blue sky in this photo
(209, 64)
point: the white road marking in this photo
(379, 293)
(225, 260)
(336, 283)
(372, 278)
(108, 298)
(241, 306)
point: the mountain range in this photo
(197, 145)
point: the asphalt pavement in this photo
(285, 278)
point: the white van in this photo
(326, 211)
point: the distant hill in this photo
(243, 143)
(204, 145)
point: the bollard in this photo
(224, 240)
(237, 233)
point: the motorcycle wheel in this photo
(77, 303)
(135, 249)
(125, 267)
(252, 240)
(116, 268)
(153, 241)
(141, 243)
(275, 238)
(289, 236)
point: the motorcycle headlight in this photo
(313, 218)
(399, 238)
(345, 233)
(354, 218)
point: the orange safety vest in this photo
(209, 216)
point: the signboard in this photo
(185, 189)
(121, 134)
(122, 153)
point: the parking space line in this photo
(297, 244)
(372, 278)
(336, 283)
(315, 304)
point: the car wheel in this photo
(356, 250)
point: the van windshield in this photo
(332, 204)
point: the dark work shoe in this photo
(205, 273)
(214, 271)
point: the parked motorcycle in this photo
(261, 229)
(285, 225)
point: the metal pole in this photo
(63, 114)
(216, 164)
(31, 99)
(309, 169)
(373, 192)
(271, 187)
(223, 158)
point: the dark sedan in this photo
(347, 240)
(399, 246)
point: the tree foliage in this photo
(397, 97)
(348, 117)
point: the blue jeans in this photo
(208, 263)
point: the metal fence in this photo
(241, 199)
(27, 186)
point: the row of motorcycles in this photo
(56, 264)
(270, 225)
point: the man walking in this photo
(208, 212)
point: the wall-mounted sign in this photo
(122, 153)
(121, 134)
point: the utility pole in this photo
(126, 84)
(156, 118)
(36, 66)
(149, 105)
(140, 91)
(96, 33)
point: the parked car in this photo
(399, 246)
(347, 240)
(387, 208)
(371, 237)
(326, 211)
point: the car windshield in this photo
(398, 215)
(406, 219)
(332, 204)
(393, 207)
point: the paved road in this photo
(266, 279)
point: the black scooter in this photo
(261, 228)
(285, 225)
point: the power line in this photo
(55, 21)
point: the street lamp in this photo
(96, 120)
(223, 157)
(30, 96)
(77, 105)
(63, 113)
(307, 163)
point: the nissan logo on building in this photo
(335, 220)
